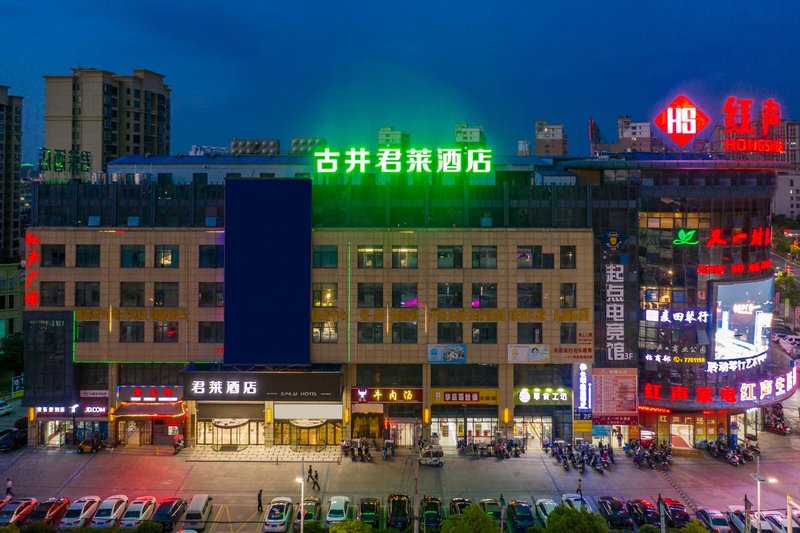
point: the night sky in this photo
(264, 69)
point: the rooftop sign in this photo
(409, 160)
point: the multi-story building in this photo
(10, 160)
(470, 136)
(786, 200)
(107, 114)
(388, 136)
(790, 130)
(631, 137)
(550, 139)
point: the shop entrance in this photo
(303, 435)
(55, 433)
(135, 432)
(451, 430)
(533, 429)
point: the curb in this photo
(689, 502)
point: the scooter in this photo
(565, 463)
(732, 458)
(178, 445)
(598, 465)
(353, 454)
(581, 466)
(628, 450)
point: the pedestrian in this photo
(502, 501)
(9, 486)
(619, 438)
(260, 505)
(580, 487)
(316, 481)
(310, 477)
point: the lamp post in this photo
(760, 479)
(299, 479)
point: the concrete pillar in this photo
(269, 424)
(113, 381)
(349, 380)
(426, 401)
(191, 424)
(505, 398)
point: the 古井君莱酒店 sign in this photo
(409, 160)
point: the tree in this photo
(312, 527)
(566, 520)
(11, 350)
(649, 528)
(149, 527)
(351, 526)
(785, 284)
(471, 520)
(693, 526)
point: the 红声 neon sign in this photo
(766, 390)
(409, 160)
(736, 268)
(738, 123)
(32, 258)
(760, 236)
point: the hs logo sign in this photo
(681, 120)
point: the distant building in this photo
(550, 139)
(524, 148)
(786, 200)
(791, 141)
(107, 114)
(631, 137)
(388, 136)
(10, 159)
(472, 136)
(200, 150)
(254, 147)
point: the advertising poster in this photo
(742, 316)
(447, 353)
(528, 353)
(615, 396)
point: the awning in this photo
(163, 410)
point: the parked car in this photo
(613, 510)
(4, 501)
(48, 512)
(676, 513)
(17, 511)
(5, 408)
(573, 500)
(736, 517)
(544, 507)
(14, 440)
(168, 512)
(431, 512)
(110, 511)
(643, 512)
(492, 507)
(312, 510)
(338, 510)
(141, 509)
(714, 520)
(279, 515)
(457, 505)
(369, 512)
(519, 515)
(778, 521)
(80, 512)
(398, 511)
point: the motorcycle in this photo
(628, 450)
(732, 458)
(581, 466)
(565, 463)
(178, 443)
(638, 459)
(598, 465)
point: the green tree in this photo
(471, 520)
(567, 520)
(312, 527)
(693, 526)
(649, 528)
(9, 529)
(785, 284)
(39, 527)
(351, 526)
(149, 527)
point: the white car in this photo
(279, 516)
(544, 507)
(338, 510)
(778, 521)
(736, 517)
(141, 509)
(5, 408)
(80, 512)
(573, 500)
(110, 511)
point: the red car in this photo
(17, 511)
(4, 501)
(49, 512)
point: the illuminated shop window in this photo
(404, 257)
(370, 256)
(324, 294)
(325, 332)
(167, 256)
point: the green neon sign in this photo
(686, 238)
(410, 160)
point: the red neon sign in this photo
(33, 244)
(681, 120)
(738, 122)
(736, 268)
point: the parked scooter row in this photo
(654, 456)
(598, 458)
(734, 456)
(774, 420)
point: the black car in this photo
(398, 511)
(714, 520)
(169, 512)
(430, 510)
(643, 512)
(457, 505)
(676, 513)
(519, 515)
(613, 510)
(369, 512)
(14, 440)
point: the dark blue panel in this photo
(267, 271)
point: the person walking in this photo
(580, 487)
(619, 437)
(310, 477)
(260, 505)
(502, 501)
(316, 481)
(9, 486)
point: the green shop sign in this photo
(410, 160)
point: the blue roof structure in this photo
(250, 160)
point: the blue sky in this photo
(264, 69)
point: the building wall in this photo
(786, 200)
(10, 300)
(10, 159)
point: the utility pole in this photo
(415, 500)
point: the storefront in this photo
(464, 411)
(66, 425)
(387, 413)
(542, 413)
(149, 415)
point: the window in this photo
(167, 256)
(212, 294)
(484, 257)
(165, 331)
(404, 295)
(529, 332)
(450, 257)
(323, 295)
(131, 331)
(87, 294)
(450, 295)
(450, 332)
(404, 257)
(484, 333)
(87, 255)
(529, 295)
(404, 332)
(568, 295)
(325, 256)
(88, 331)
(484, 295)
(211, 332)
(166, 294)
(370, 256)
(131, 294)
(212, 256)
(548, 261)
(569, 332)
(132, 256)
(370, 295)
(568, 254)
(370, 332)
(52, 293)
(53, 255)
(325, 332)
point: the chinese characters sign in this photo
(33, 261)
(464, 396)
(677, 354)
(542, 396)
(686, 316)
(735, 364)
(615, 396)
(681, 120)
(386, 395)
(410, 160)
(736, 268)
(582, 376)
(740, 133)
(615, 313)
(263, 386)
(72, 161)
(760, 237)
(154, 393)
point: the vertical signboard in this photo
(615, 396)
(615, 313)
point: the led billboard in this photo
(742, 318)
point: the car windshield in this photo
(164, 510)
(493, 509)
(398, 507)
(616, 506)
(719, 521)
(336, 513)
(523, 511)
(104, 512)
(276, 512)
(548, 507)
(40, 512)
(461, 506)
(6, 513)
(309, 510)
(73, 513)
(368, 508)
(133, 512)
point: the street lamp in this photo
(299, 479)
(760, 479)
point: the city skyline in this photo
(341, 74)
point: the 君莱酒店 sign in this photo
(263, 386)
